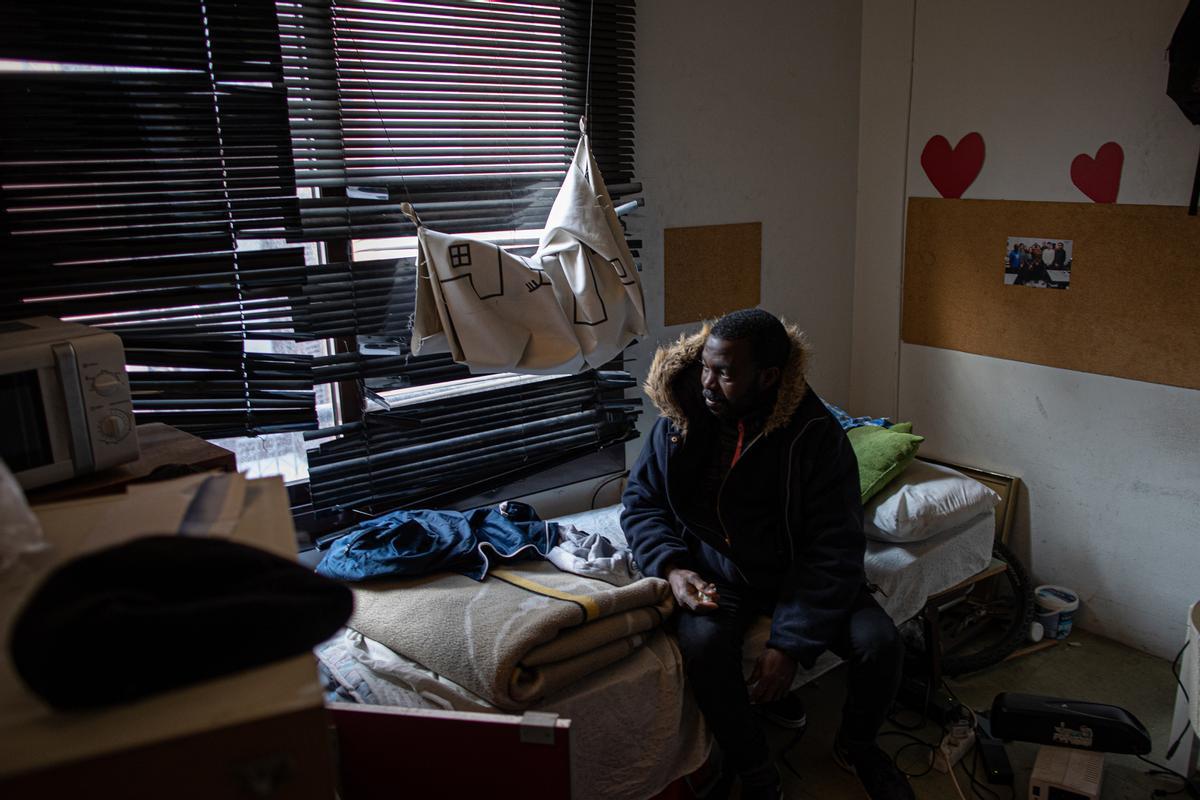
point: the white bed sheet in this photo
(907, 574)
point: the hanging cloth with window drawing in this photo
(575, 303)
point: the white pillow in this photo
(923, 501)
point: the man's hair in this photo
(769, 340)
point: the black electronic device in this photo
(1075, 724)
(996, 766)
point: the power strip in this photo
(952, 748)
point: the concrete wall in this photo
(748, 112)
(1110, 466)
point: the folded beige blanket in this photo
(519, 635)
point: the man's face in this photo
(733, 384)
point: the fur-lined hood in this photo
(673, 384)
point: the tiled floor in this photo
(1084, 667)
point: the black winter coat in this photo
(788, 523)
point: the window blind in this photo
(429, 451)
(143, 144)
(469, 110)
(152, 157)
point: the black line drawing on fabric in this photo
(538, 282)
(592, 291)
(460, 255)
(470, 276)
(626, 279)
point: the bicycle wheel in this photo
(986, 625)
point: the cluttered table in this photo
(261, 730)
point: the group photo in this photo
(1037, 262)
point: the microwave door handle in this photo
(68, 373)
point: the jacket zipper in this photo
(671, 504)
(721, 490)
(723, 533)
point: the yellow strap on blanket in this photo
(591, 609)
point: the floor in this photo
(1083, 667)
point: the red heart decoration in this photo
(952, 169)
(1100, 177)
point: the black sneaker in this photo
(787, 712)
(882, 779)
(766, 785)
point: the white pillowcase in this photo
(924, 500)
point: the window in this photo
(173, 170)
(142, 146)
(470, 112)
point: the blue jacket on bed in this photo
(408, 544)
(788, 522)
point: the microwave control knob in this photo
(106, 383)
(115, 427)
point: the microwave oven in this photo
(64, 399)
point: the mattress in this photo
(906, 574)
(643, 692)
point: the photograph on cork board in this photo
(1039, 262)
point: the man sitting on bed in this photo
(746, 499)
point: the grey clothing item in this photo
(593, 555)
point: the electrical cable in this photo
(954, 696)
(1188, 784)
(924, 713)
(1175, 670)
(1187, 727)
(895, 722)
(954, 779)
(916, 741)
(595, 494)
(1156, 793)
(587, 86)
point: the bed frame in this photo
(1008, 487)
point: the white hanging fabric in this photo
(574, 304)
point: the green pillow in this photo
(882, 454)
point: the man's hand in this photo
(772, 676)
(691, 591)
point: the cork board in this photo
(710, 270)
(1132, 309)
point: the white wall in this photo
(748, 112)
(1110, 465)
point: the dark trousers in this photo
(711, 645)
